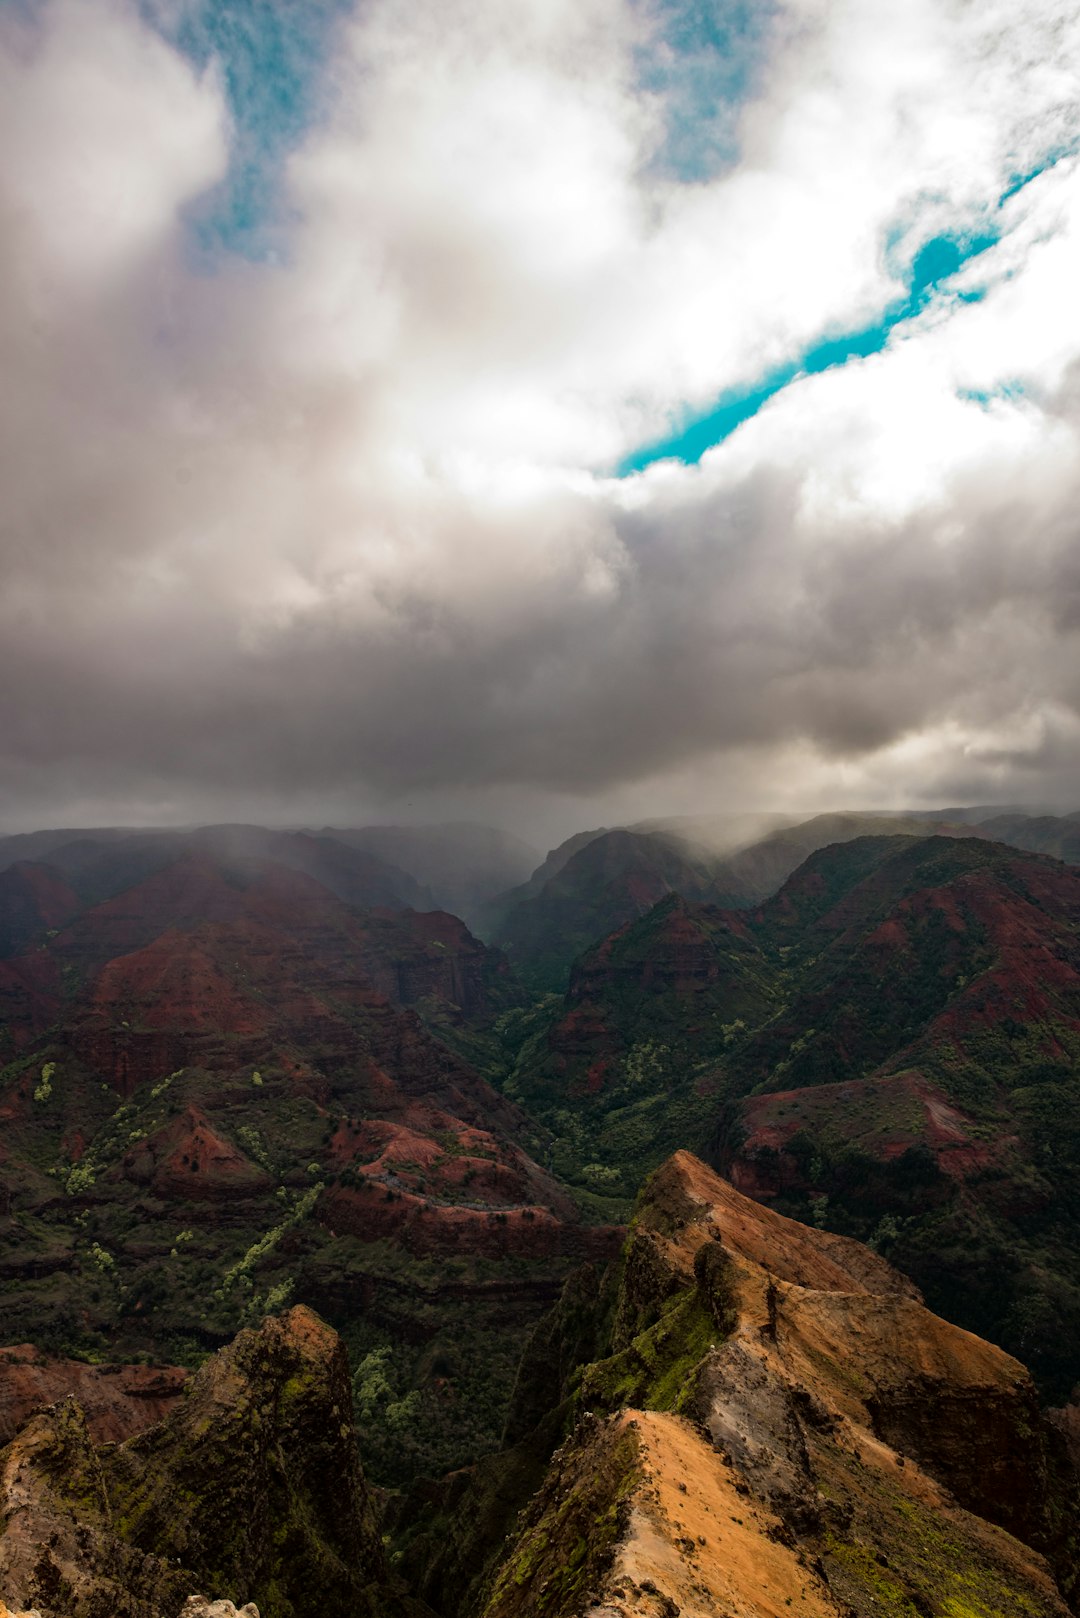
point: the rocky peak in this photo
(252, 1484)
(690, 1203)
(782, 1425)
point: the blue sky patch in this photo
(271, 55)
(933, 266)
(1010, 392)
(705, 63)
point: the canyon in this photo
(606, 1238)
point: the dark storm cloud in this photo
(290, 530)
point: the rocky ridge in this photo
(783, 1427)
(887, 1046)
(760, 1418)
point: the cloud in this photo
(105, 135)
(340, 523)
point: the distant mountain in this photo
(753, 874)
(1058, 835)
(601, 880)
(718, 834)
(493, 914)
(38, 845)
(608, 880)
(100, 864)
(461, 865)
(456, 867)
(978, 814)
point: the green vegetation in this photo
(562, 1550)
(435, 1365)
(244, 1267)
(43, 1089)
(881, 966)
(638, 1081)
(655, 1370)
(918, 1563)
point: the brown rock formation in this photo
(116, 1400)
(251, 1485)
(804, 1435)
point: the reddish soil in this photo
(117, 1400)
(425, 1227)
(884, 1116)
(190, 1160)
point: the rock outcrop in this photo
(202, 1607)
(251, 1485)
(782, 1426)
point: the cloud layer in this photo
(337, 524)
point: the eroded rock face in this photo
(203, 1607)
(57, 1554)
(117, 1400)
(804, 1435)
(252, 1483)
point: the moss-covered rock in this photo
(251, 1487)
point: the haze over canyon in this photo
(539, 809)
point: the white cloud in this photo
(342, 521)
(105, 134)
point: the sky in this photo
(543, 411)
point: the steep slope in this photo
(920, 915)
(888, 1046)
(919, 1083)
(34, 901)
(620, 1071)
(782, 1426)
(251, 1487)
(493, 913)
(613, 877)
(218, 1095)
